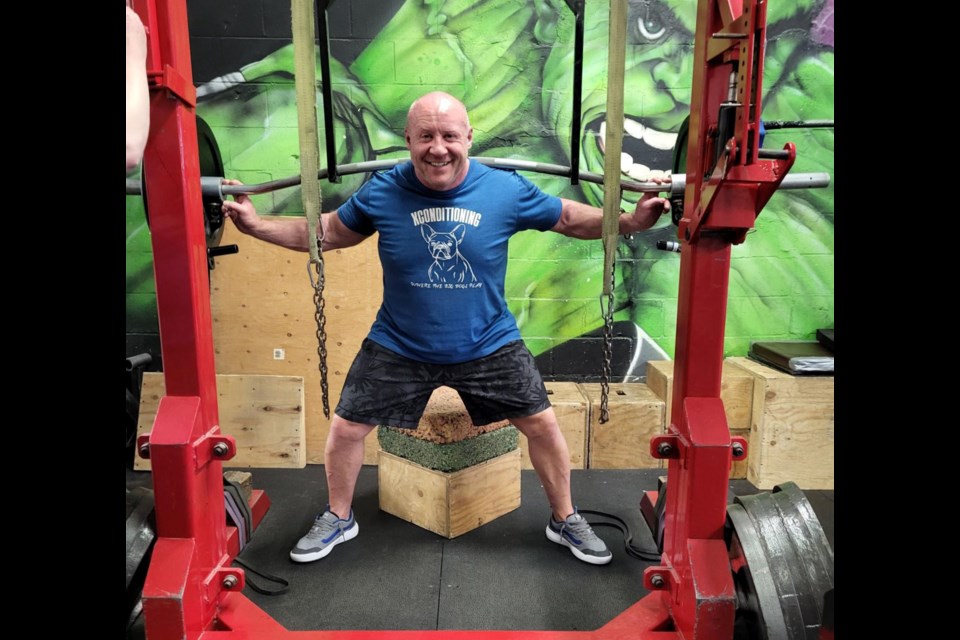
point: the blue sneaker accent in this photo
(569, 536)
(577, 534)
(327, 531)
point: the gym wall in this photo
(511, 62)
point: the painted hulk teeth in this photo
(661, 140)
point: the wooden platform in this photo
(791, 428)
(264, 319)
(449, 504)
(636, 415)
(736, 392)
(264, 414)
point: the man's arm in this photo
(290, 233)
(582, 221)
(138, 94)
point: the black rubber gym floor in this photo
(503, 575)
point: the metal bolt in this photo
(220, 449)
(145, 450)
(737, 449)
(657, 581)
(229, 582)
(665, 449)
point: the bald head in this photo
(438, 103)
(438, 136)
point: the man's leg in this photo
(381, 387)
(550, 458)
(343, 459)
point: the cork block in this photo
(736, 393)
(445, 419)
(571, 408)
(449, 504)
(623, 442)
(791, 428)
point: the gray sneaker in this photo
(327, 532)
(575, 532)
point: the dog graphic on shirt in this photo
(448, 264)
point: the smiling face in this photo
(438, 136)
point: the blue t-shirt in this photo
(444, 258)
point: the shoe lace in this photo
(321, 527)
(580, 528)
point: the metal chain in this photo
(607, 352)
(321, 330)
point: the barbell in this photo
(212, 186)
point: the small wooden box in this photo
(449, 504)
(264, 414)
(791, 428)
(623, 442)
(736, 392)
(571, 408)
(262, 301)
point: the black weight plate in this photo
(808, 539)
(801, 609)
(140, 531)
(211, 165)
(756, 590)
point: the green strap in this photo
(616, 60)
(305, 69)
(616, 57)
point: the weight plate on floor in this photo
(782, 564)
(808, 539)
(141, 535)
(758, 605)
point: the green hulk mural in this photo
(781, 281)
(512, 63)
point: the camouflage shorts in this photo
(383, 387)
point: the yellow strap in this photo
(616, 60)
(305, 70)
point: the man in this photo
(138, 94)
(444, 224)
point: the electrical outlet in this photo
(278, 354)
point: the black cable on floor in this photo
(283, 588)
(634, 551)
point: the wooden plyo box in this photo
(623, 442)
(736, 392)
(263, 305)
(572, 410)
(449, 504)
(264, 414)
(791, 428)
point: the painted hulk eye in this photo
(648, 21)
(650, 28)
